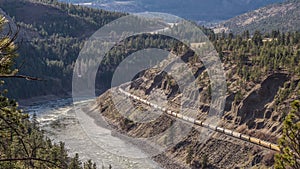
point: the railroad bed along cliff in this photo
(253, 115)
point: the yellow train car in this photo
(265, 144)
(274, 147)
(254, 140)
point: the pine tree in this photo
(257, 38)
(290, 141)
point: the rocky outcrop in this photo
(253, 115)
(254, 106)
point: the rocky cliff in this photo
(257, 114)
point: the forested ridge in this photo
(51, 46)
(197, 10)
(279, 16)
(22, 142)
(52, 35)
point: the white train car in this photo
(220, 129)
(174, 114)
(205, 125)
(198, 122)
(189, 119)
(228, 132)
(245, 137)
(213, 127)
(180, 116)
(236, 134)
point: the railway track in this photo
(228, 132)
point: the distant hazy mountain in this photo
(282, 16)
(198, 10)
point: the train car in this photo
(205, 125)
(179, 116)
(236, 134)
(245, 137)
(254, 140)
(192, 120)
(220, 129)
(265, 144)
(163, 109)
(169, 112)
(198, 122)
(174, 114)
(189, 119)
(228, 132)
(185, 118)
(213, 127)
(275, 147)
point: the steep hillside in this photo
(283, 17)
(51, 35)
(197, 10)
(262, 79)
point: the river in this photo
(60, 122)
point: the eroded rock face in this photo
(222, 151)
(254, 106)
(254, 115)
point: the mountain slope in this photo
(283, 16)
(197, 10)
(51, 35)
